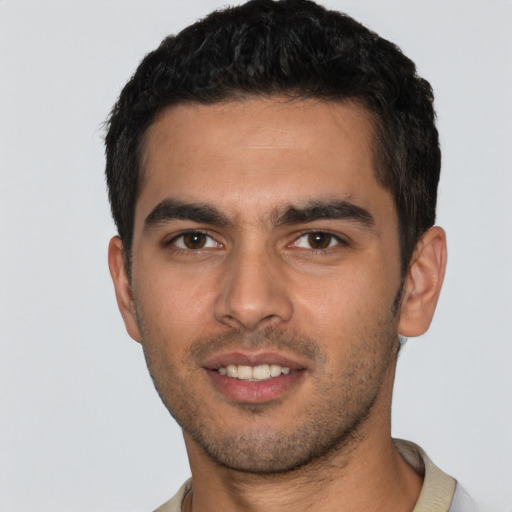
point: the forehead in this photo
(259, 153)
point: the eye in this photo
(193, 241)
(317, 240)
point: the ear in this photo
(124, 296)
(423, 283)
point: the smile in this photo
(245, 377)
(253, 373)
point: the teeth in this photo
(253, 373)
(232, 370)
(275, 370)
(244, 372)
(261, 372)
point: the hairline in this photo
(360, 105)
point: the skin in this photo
(251, 279)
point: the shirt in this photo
(440, 492)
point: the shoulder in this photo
(440, 492)
(174, 504)
(462, 502)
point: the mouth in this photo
(257, 373)
(253, 378)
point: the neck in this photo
(365, 473)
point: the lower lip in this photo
(243, 391)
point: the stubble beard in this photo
(331, 423)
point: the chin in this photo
(262, 452)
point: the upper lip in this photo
(224, 359)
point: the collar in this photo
(438, 487)
(436, 494)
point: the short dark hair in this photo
(298, 49)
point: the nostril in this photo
(252, 290)
(252, 313)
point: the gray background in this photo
(81, 427)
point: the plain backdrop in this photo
(81, 427)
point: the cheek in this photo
(172, 309)
(346, 294)
(349, 307)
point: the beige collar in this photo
(438, 488)
(436, 493)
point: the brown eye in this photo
(319, 240)
(194, 240)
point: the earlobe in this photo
(423, 283)
(116, 264)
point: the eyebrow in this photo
(172, 209)
(326, 210)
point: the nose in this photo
(253, 292)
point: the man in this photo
(273, 173)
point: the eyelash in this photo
(173, 241)
(322, 250)
(338, 241)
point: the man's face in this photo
(265, 277)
